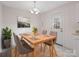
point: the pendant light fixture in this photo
(35, 10)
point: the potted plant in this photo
(6, 34)
(34, 30)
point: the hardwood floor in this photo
(39, 52)
(61, 52)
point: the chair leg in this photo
(27, 54)
(41, 47)
(33, 54)
(50, 51)
(44, 48)
(15, 51)
(54, 51)
(11, 52)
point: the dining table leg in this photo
(34, 52)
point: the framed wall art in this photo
(23, 22)
(56, 23)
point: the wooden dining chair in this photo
(44, 32)
(51, 44)
(21, 46)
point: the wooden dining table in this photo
(33, 41)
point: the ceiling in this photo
(43, 6)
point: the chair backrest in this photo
(54, 34)
(44, 32)
(17, 41)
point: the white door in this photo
(60, 36)
(60, 29)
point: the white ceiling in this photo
(43, 6)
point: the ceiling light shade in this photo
(34, 10)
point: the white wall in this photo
(10, 19)
(67, 14)
(0, 24)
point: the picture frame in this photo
(23, 22)
(56, 23)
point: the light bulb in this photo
(32, 12)
(36, 13)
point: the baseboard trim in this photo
(63, 46)
(59, 44)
